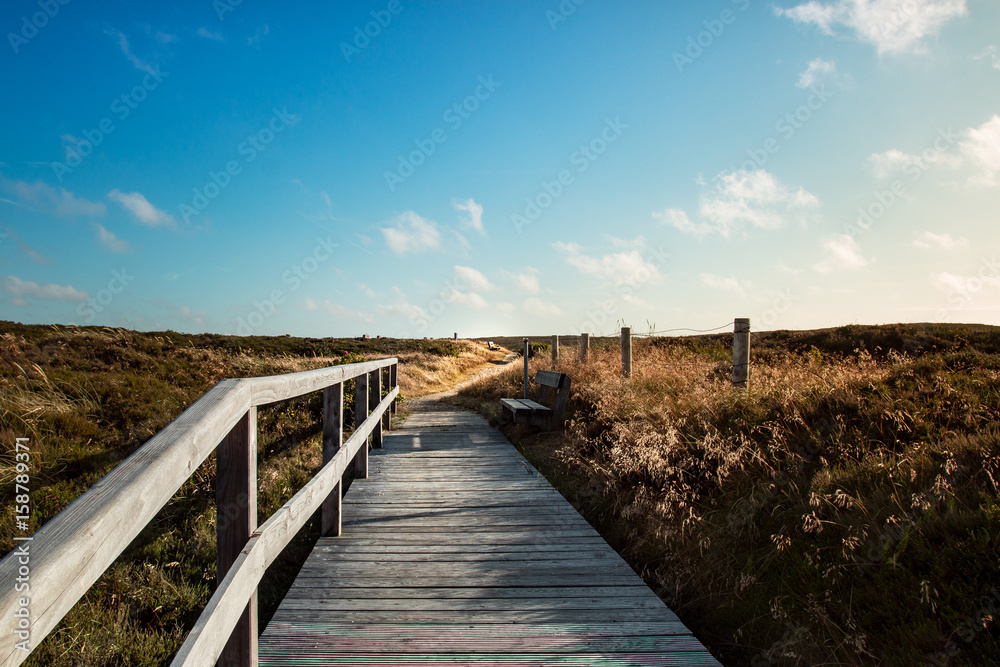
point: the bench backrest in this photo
(553, 383)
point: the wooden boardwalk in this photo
(456, 551)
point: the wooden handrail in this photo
(72, 550)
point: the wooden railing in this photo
(70, 552)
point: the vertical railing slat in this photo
(360, 413)
(333, 440)
(236, 519)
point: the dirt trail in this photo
(431, 401)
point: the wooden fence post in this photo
(526, 368)
(555, 349)
(393, 370)
(236, 519)
(584, 347)
(374, 398)
(741, 351)
(627, 352)
(333, 440)
(387, 415)
(360, 413)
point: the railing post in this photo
(393, 370)
(627, 352)
(555, 349)
(360, 413)
(374, 397)
(333, 440)
(236, 519)
(526, 368)
(584, 347)
(741, 351)
(386, 387)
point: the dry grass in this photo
(843, 511)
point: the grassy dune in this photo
(87, 398)
(842, 511)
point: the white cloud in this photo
(942, 241)
(541, 309)
(841, 252)
(892, 26)
(723, 283)
(401, 308)
(468, 299)
(978, 154)
(188, 315)
(110, 241)
(20, 291)
(368, 291)
(981, 148)
(504, 307)
(741, 197)
(467, 277)
(524, 281)
(964, 285)
(411, 233)
(473, 218)
(254, 40)
(208, 34)
(991, 54)
(337, 310)
(140, 208)
(626, 267)
(123, 44)
(45, 198)
(818, 66)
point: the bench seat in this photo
(523, 409)
(552, 387)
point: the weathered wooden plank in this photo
(275, 388)
(333, 440)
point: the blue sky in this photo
(421, 168)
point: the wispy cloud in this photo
(626, 267)
(939, 241)
(978, 153)
(123, 44)
(812, 72)
(473, 218)
(401, 307)
(525, 280)
(543, 310)
(841, 251)
(469, 277)
(263, 31)
(140, 208)
(726, 284)
(411, 233)
(46, 199)
(209, 34)
(110, 241)
(739, 198)
(20, 291)
(32, 254)
(892, 26)
(338, 311)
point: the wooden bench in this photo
(553, 388)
